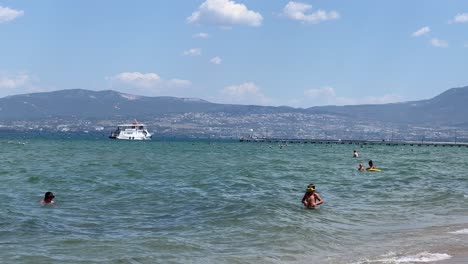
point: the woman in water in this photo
(371, 165)
(48, 198)
(311, 198)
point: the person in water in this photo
(361, 167)
(355, 154)
(311, 198)
(48, 198)
(371, 165)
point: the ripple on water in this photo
(34, 179)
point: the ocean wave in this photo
(461, 231)
(422, 257)
(16, 142)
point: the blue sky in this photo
(297, 53)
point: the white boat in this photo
(133, 131)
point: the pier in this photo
(356, 142)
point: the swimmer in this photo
(361, 167)
(311, 199)
(371, 165)
(48, 198)
(355, 154)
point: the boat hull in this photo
(134, 131)
(130, 137)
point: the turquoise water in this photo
(228, 202)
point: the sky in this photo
(297, 53)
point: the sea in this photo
(224, 201)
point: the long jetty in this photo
(356, 142)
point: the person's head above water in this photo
(371, 163)
(310, 187)
(48, 197)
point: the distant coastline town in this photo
(440, 119)
(250, 126)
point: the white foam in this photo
(461, 231)
(418, 258)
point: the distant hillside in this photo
(78, 103)
(447, 109)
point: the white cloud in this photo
(245, 93)
(138, 78)
(14, 82)
(328, 96)
(192, 52)
(216, 60)
(145, 83)
(201, 35)
(384, 99)
(297, 11)
(460, 18)
(20, 83)
(439, 43)
(225, 13)
(421, 32)
(322, 96)
(8, 14)
(326, 91)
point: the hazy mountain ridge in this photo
(89, 104)
(447, 109)
(450, 108)
(112, 104)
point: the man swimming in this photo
(311, 198)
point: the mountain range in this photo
(110, 104)
(447, 109)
